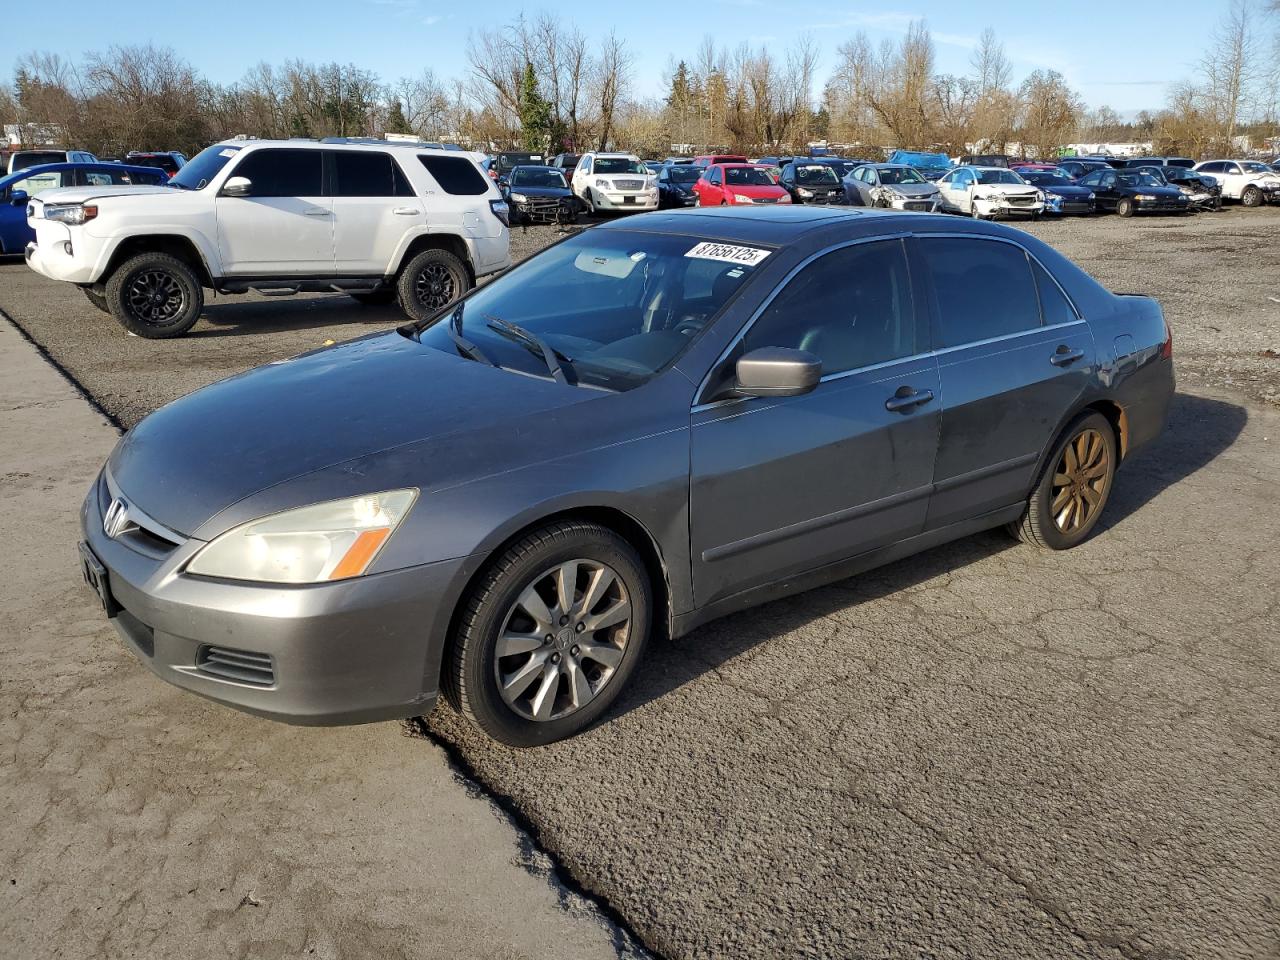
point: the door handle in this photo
(406, 211)
(316, 212)
(1065, 357)
(906, 399)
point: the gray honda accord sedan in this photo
(653, 423)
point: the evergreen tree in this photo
(396, 120)
(535, 112)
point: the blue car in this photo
(1062, 195)
(17, 188)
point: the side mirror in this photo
(237, 187)
(777, 372)
(19, 198)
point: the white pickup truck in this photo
(379, 221)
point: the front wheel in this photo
(550, 635)
(431, 281)
(155, 295)
(1125, 207)
(975, 213)
(1070, 496)
(1252, 197)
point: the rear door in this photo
(1014, 356)
(285, 226)
(373, 207)
(782, 485)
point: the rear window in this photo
(34, 158)
(456, 175)
(368, 174)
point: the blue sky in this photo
(399, 37)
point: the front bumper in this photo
(546, 209)
(53, 261)
(1060, 206)
(916, 204)
(613, 200)
(822, 199)
(1003, 208)
(1161, 206)
(351, 651)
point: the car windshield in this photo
(747, 177)
(535, 177)
(817, 173)
(900, 175)
(204, 166)
(683, 174)
(998, 176)
(618, 306)
(1253, 167)
(619, 165)
(1137, 179)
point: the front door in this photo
(285, 225)
(1013, 359)
(779, 486)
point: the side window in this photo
(982, 289)
(1054, 306)
(715, 176)
(456, 175)
(367, 174)
(1091, 180)
(38, 183)
(282, 173)
(851, 307)
(94, 178)
(585, 165)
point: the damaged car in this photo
(894, 186)
(1062, 195)
(1202, 191)
(986, 193)
(538, 194)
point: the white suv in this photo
(1250, 182)
(378, 221)
(615, 181)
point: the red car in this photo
(707, 159)
(729, 184)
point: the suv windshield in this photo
(818, 173)
(900, 175)
(536, 177)
(619, 165)
(747, 177)
(618, 306)
(204, 166)
(998, 176)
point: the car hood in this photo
(1068, 190)
(1153, 191)
(1009, 189)
(191, 460)
(913, 189)
(555, 192)
(760, 191)
(81, 194)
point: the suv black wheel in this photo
(431, 280)
(376, 298)
(97, 299)
(155, 295)
(1073, 490)
(550, 635)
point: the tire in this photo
(1124, 207)
(375, 298)
(1091, 440)
(973, 212)
(495, 605)
(134, 290)
(589, 203)
(97, 299)
(1252, 197)
(430, 281)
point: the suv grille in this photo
(628, 184)
(242, 666)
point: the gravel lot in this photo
(984, 751)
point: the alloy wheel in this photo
(1080, 481)
(562, 640)
(435, 286)
(155, 297)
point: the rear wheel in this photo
(430, 281)
(375, 298)
(97, 299)
(550, 635)
(1073, 490)
(1125, 207)
(1252, 197)
(155, 295)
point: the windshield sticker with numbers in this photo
(729, 253)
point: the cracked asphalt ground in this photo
(982, 751)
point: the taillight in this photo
(1166, 348)
(501, 210)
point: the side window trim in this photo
(903, 237)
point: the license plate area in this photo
(628, 199)
(95, 576)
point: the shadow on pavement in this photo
(1199, 430)
(229, 316)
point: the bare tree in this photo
(1051, 112)
(1230, 68)
(613, 69)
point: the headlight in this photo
(325, 541)
(1143, 196)
(1040, 195)
(785, 198)
(603, 185)
(1092, 195)
(519, 198)
(73, 213)
(803, 192)
(741, 198)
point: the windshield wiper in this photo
(465, 346)
(550, 355)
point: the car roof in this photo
(776, 226)
(335, 144)
(535, 166)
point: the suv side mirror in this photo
(19, 198)
(237, 187)
(777, 372)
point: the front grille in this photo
(1020, 201)
(765, 200)
(628, 184)
(917, 204)
(242, 666)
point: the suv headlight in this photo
(603, 185)
(73, 213)
(325, 541)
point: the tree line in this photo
(541, 84)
